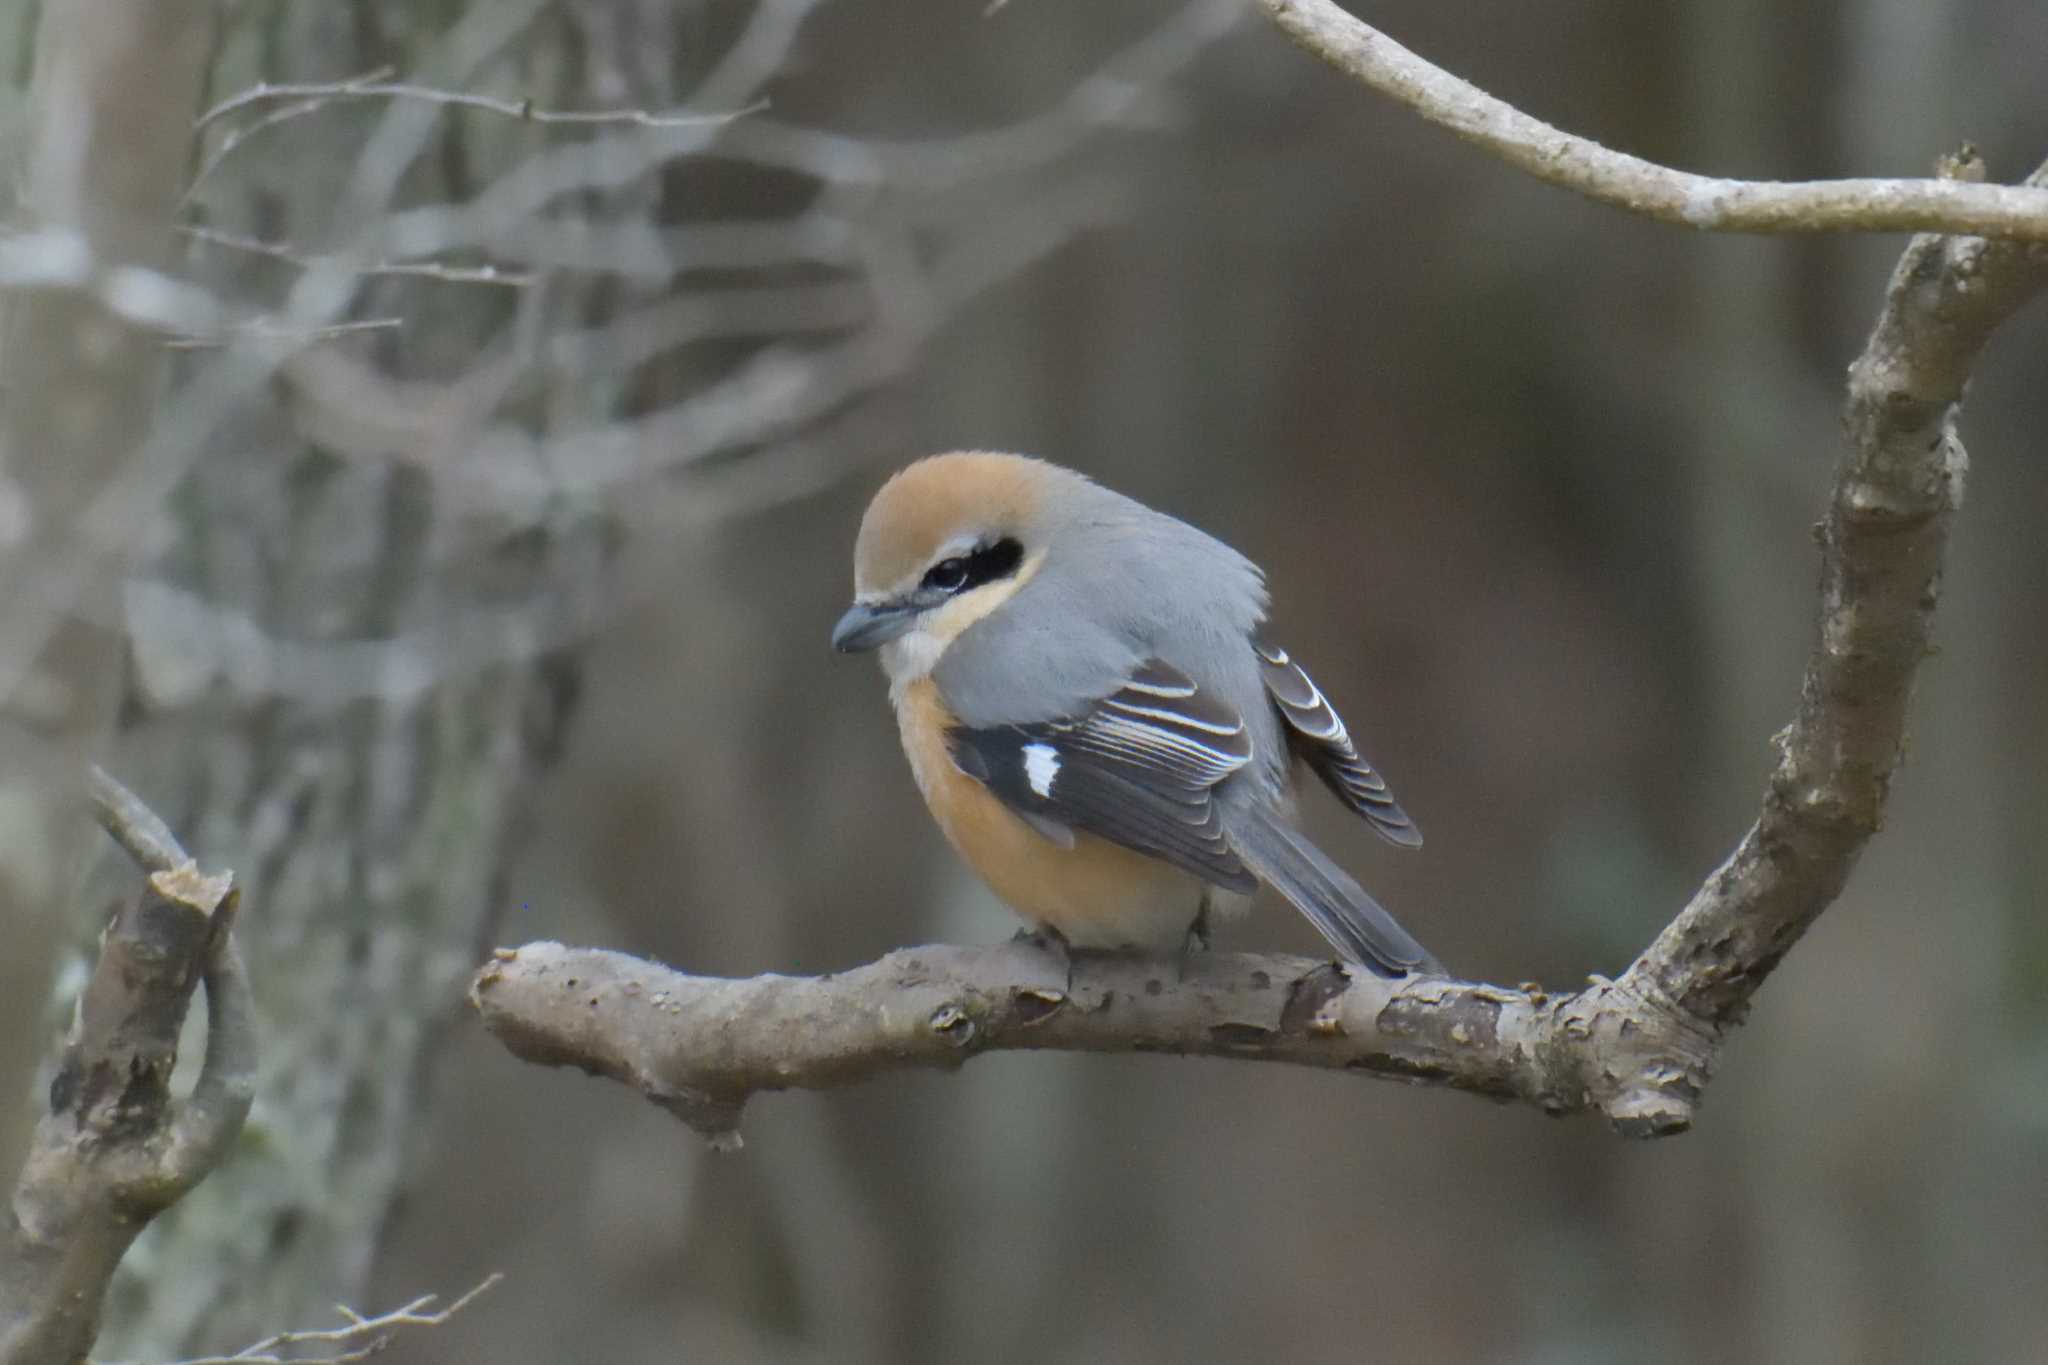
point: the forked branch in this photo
(116, 1148)
(1639, 1049)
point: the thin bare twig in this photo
(308, 97)
(781, 389)
(135, 827)
(1116, 95)
(269, 90)
(235, 137)
(374, 86)
(270, 329)
(429, 270)
(1710, 203)
(361, 1337)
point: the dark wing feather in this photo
(1355, 924)
(1317, 735)
(1138, 769)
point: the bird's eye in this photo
(948, 575)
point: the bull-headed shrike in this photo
(1093, 716)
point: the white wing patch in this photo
(1041, 766)
(1139, 768)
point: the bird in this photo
(1094, 715)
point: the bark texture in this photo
(115, 1149)
(345, 678)
(701, 1046)
(1897, 487)
(94, 178)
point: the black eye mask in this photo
(985, 564)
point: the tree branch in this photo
(699, 1046)
(116, 1149)
(1896, 489)
(1639, 1049)
(1710, 203)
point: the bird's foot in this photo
(1054, 945)
(1196, 941)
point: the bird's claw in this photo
(1054, 945)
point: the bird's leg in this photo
(1196, 940)
(1054, 945)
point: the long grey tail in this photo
(1357, 926)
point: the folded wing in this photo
(1139, 769)
(1317, 736)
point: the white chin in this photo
(910, 656)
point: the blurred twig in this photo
(359, 1339)
(1710, 203)
(139, 831)
(525, 110)
(308, 97)
(428, 270)
(269, 90)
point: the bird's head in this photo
(945, 542)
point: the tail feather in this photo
(1356, 925)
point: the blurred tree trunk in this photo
(298, 708)
(106, 134)
(379, 505)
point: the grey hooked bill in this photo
(870, 625)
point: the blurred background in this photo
(445, 532)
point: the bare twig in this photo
(358, 1339)
(373, 87)
(428, 270)
(233, 139)
(265, 91)
(1710, 203)
(1639, 1050)
(134, 826)
(307, 97)
(116, 1149)
(270, 329)
(781, 389)
(1116, 95)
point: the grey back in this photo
(1120, 584)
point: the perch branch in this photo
(699, 1046)
(1710, 203)
(116, 1148)
(1639, 1049)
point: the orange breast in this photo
(1097, 894)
